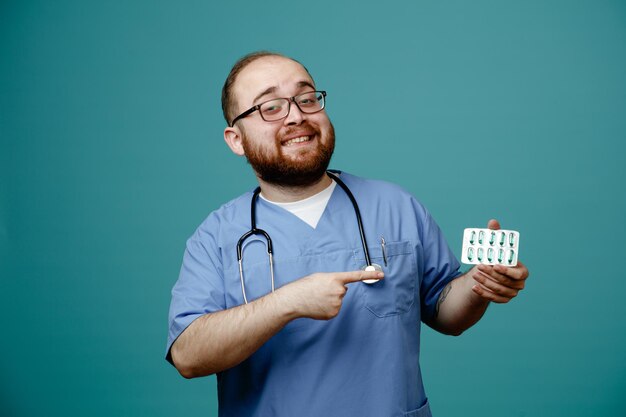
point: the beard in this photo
(271, 165)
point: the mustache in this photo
(305, 126)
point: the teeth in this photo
(297, 140)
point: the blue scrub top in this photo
(363, 362)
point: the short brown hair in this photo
(228, 101)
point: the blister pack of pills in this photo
(490, 247)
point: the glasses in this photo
(278, 108)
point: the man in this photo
(332, 339)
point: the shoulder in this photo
(378, 189)
(386, 196)
(229, 213)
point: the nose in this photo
(295, 116)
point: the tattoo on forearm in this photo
(442, 297)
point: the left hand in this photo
(498, 283)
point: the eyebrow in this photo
(270, 90)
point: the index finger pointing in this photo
(355, 276)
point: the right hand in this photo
(319, 296)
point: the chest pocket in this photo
(395, 294)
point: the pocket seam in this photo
(397, 249)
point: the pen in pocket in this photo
(384, 248)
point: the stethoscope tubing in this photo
(356, 211)
(256, 231)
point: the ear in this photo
(232, 137)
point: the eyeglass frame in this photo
(289, 101)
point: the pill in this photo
(490, 254)
(511, 256)
(511, 239)
(481, 237)
(472, 237)
(492, 240)
(502, 238)
(500, 255)
(470, 254)
(480, 254)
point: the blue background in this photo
(112, 153)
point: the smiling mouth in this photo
(300, 139)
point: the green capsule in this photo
(502, 238)
(490, 254)
(470, 254)
(511, 239)
(492, 239)
(500, 255)
(472, 237)
(481, 237)
(480, 254)
(511, 256)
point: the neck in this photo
(288, 194)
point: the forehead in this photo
(282, 74)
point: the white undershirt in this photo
(310, 209)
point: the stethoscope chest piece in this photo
(372, 267)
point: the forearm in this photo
(221, 340)
(458, 308)
(464, 301)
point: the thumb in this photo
(493, 224)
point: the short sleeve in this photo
(439, 265)
(199, 289)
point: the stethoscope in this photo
(369, 266)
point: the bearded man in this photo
(306, 296)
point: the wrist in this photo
(284, 305)
(474, 298)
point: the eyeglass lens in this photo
(310, 102)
